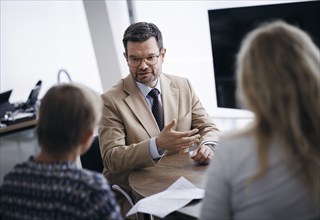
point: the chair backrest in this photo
(92, 160)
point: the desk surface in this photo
(19, 126)
(152, 180)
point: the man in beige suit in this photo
(130, 137)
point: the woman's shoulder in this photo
(237, 140)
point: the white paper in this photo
(179, 194)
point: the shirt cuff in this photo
(211, 144)
(155, 154)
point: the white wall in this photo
(40, 37)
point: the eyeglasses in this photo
(150, 60)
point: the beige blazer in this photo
(128, 124)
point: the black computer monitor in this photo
(229, 26)
(4, 96)
(5, 105)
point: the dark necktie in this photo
(157, 108)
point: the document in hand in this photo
(179, 194)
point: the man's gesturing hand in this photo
(169, 139)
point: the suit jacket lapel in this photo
(139, 107)
(170, 99)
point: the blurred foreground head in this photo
(67, 112)
(278, 70)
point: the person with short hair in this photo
(270, 170)
(50, 185)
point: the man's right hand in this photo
(169, 139)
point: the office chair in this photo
(92, 160)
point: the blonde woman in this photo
(271, 169)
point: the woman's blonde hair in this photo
(278, 70)
(66, 113)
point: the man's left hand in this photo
(203, 154)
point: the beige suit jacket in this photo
(128, 124)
